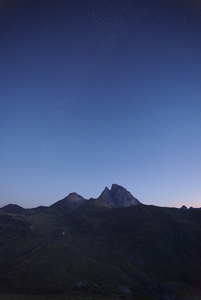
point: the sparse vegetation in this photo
(143, 248)
(59, 297)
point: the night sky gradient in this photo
(98, 92)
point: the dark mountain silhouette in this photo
(73, 200)
(116, 197)
(93, 248)
(119, 196)
(13, 208)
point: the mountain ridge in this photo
(79, 246)
(117, 196)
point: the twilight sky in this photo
(98, 92)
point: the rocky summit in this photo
(109, 247)
(119, 196)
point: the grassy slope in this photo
(52, 297)
(46, 252)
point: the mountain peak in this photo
(74, 197)
(119, 196)
(73, 200)
(13, 208)
(106, 194)
(114, 186)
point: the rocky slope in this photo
(119, 196)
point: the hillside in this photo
(95, 248)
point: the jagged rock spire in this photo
(119, 196)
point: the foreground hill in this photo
(95, 248)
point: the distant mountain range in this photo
(117, 196)
(113, 246)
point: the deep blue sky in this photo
(98, 92)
